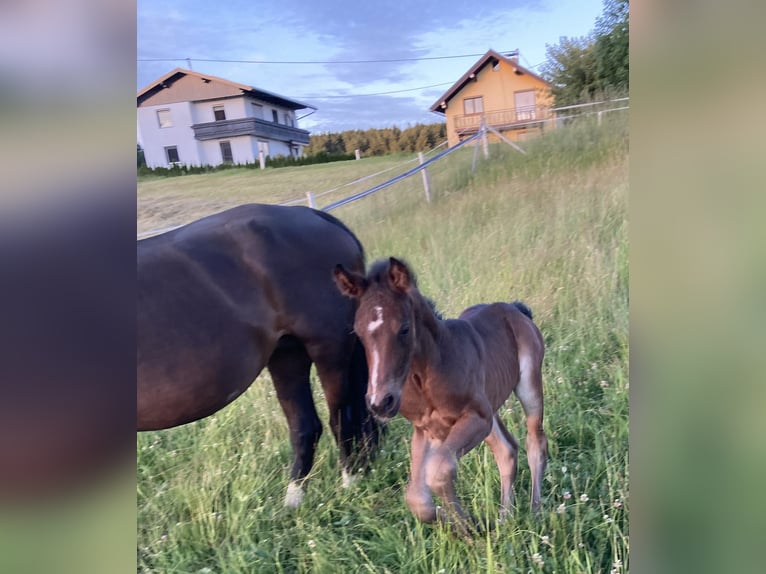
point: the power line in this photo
(375, 94)
(389, 60)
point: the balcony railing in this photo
(249, 127)
(502, 118)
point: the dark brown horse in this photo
(449, 378)
(223, 297)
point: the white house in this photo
(196, 119)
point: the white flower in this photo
(564, 469)
(608, 519)
(584, 498)
(617, 503)
(537, 559)
(546, 540)
(311, 544)
(562, 508)
(567, 495)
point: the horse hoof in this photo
(349, 479)
(294, 495)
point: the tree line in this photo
(592, 66)
(378, 141)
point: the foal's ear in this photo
(349, 283)
(400, 275)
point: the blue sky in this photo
(333, 30)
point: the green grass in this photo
(549, 228)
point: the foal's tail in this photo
(523, 308)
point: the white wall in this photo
(154, 139)
(241, 150)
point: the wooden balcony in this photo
(249, 127)
(502, 119)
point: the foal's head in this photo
(385, 322)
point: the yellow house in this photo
(502, 93)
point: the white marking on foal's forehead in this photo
(378, 319)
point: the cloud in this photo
(383, 30)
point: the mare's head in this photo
(385, 322)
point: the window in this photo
(226, 155)
(275, 116)
(219, 113)
(473, 105)
(288, 119)
(171, 153)
(164, 118)
(257, 111)
(525, 105)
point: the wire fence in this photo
(445, 174)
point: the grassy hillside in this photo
(549, 228)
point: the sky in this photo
(422, 35)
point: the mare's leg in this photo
(441, 467)
(505, 449)
(530, 394)
(290, 366)
(333, 363)
(418, 495)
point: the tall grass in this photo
(549, 228)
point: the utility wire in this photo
(390, 60)
(375, 94)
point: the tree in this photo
(571, 68)
(586, 67)
(612, 45)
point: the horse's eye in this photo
(404, 330)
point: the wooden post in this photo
(262, 159)
(357, 153)
(426, 182)
(484, 140)
(310, 199)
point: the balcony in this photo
(249, 127)
(502, 119)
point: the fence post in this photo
(262, 159)
(310, 199)
(484, 142)
(357, 153)
(598, 117)
(426, 181)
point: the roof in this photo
(168, 79)
(490, 58)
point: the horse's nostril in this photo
(388, 402)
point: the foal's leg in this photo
(290, 367)
(530, 394)
(505, 449)
(441, 468)
(418, 495)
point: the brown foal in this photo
(449, 378)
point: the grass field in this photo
(549, 228)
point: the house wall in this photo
(154, 139)
(497, 89)
(241, 150)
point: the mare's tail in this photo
(523, 308)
